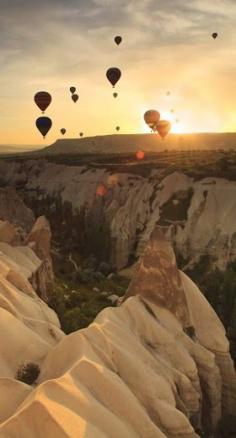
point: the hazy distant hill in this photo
(148, 142)
(15, 148)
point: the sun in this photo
(178, 128)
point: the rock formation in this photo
(39, 239)
(13, 209)
(197, 215)
(156, 366)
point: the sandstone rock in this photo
(157, 278)
(113, 298)
(39, 239)
(13, 209)
(9, 233)
(104, 294)
(29, 328)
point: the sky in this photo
(52, 45)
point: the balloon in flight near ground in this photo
(118, 40)
(151, 118)
(42, 100)
(43, 124)
(115, 95)
(117, 128)
(113, 75)
(163, 128)
(101, 190)
(168, 93)
(214, 35)
(72, 90)
(81, 134)
(74, 97)
(140, 155)
(63, 131)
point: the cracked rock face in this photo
(158, 365)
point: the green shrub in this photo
(28, 373)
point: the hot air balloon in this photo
(163, 128)
(152, 117)
(118, 40)
(214, 35)
(75, 97)
(42, 100)
(172, 110)
(101, 190)
(140, 155)
(81, 134)
(115, 95)
(117, 128)
(72, 90)
(113, 75)
(43, 124)
(63, 131)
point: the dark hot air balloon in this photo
(163, 128)
(214, 35)
(117, 128)
(63, 131)
(42, 100)
(118, 40)
(72, 90)
(115, 95)
(113, 75)
(74, 97)
(81, 134)
(151, 118)
(43, 124)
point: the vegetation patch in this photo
(219, 288)
(28, 373)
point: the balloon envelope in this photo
(43, 124)
(151, 118)
(81, 134)
(117, 128)
(163, 128)
(113, 75)
(75, 97)
(101, 190)
(140, 155)
(42, 100)
(215, 35)
(63, 131)
(118, 40)
(72, 90)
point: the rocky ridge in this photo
(197, 215)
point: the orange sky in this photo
(165, 48)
